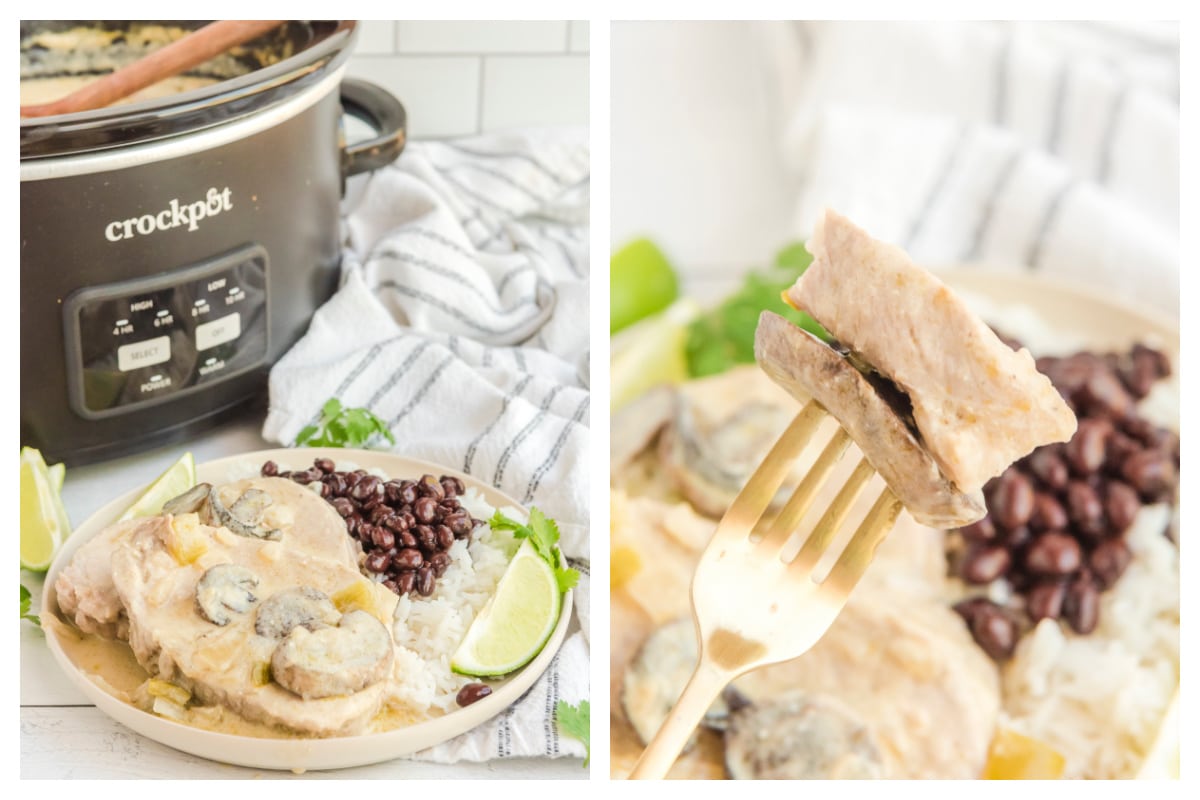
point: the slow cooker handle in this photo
(377, 107)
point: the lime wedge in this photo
(58, 474)
(44, 523)
(514, 625)
(650, 353)
(177, 479)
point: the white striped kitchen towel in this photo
(462, 320)
(1041, 146)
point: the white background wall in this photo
(462, 78)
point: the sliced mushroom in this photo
(636, 425)
(709, 464)
(301, 607)
(799, 736)
(806, 366)
(656, 677)
(334, 661)
(225, 590)
(191, 500)
(244, 516)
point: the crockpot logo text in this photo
(175, 215)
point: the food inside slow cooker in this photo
(58, 59)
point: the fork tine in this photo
(857, 556)
(756, 495)
(831, 521)
(802, 499)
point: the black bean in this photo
(1150, 473)
(426, 538)
(1121, 505)
(1081, 606)
(407, 539)
(459, 523)
(440, 563)
(366, 488)
(408, 492)
(445, 537)
(1050, 469)
(396, 522)
(324, 464)
(425, 581)
(383, 538)
(1086, 450)
(342, 506)
(377, 562)
(472, 693)
(391, 490)
(378, 513)
(1104, 394)
(1044, 600)
(1048, 513)
(1054, 554)
(353, 522)
(408, 558)
(425, 509)
(449, 486)
(429, 486)
(1159, 359)
(392, 585)
(270, 469)
(1109, 560)
(995, 631)
(303, 477)
(1012, 501)
(1085, 509)
(406, 580)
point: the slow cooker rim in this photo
(196, 141)
(188, 112)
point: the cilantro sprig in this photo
(577, 722)
(26, 602)
(723, 337)
(542, 532)
(343, 427)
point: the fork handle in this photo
(705, 684)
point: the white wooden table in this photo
(63, 735)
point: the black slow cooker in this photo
(173, 249)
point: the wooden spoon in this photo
(183, 54)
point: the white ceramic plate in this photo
(299, 754)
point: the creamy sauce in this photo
(110, 664)
(35, 91)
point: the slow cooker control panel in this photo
(144, 341)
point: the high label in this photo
(175, 215)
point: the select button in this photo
(219, 331)
(144, 354)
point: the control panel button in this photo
(144, 354)
(219, 331)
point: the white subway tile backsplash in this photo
(534, 90)
(376, 36)
(441, 94)
(579, 41)
(462, 78)
(481, 37)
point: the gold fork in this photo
(750, 607)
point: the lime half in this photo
(44, 523)
(177, 479)
(515, 624)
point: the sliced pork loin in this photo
(978, 405)
(807, 367)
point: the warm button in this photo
(219, 331)
(144, 354)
